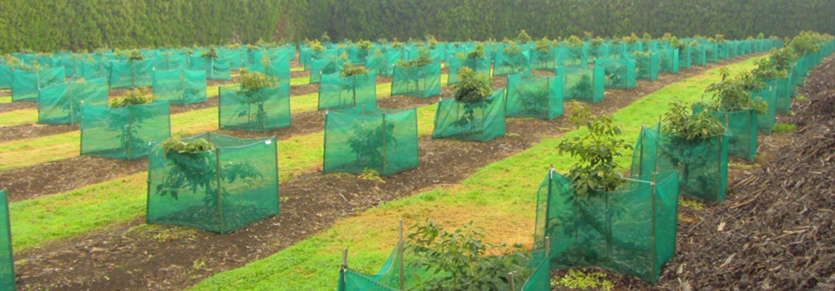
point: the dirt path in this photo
(164, 258)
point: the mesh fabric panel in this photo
(422, 82)
(782, 98)
(216, 69)
(597, 52)
(27, 84)
(583, 83)
(684, 60)
(697, 55)
(379, 65)
(612, 230)
(61, 104)
(261, 110)
(766, 121)
(544, 60)
(170, 62)
(536, 96)
(646, 65)
(94, 69)
(275, 66)
(337, 92)
(512, 64)
(7, 277)
(245, 169)
(472, 121)
(702, 164)
(743, 127)
(668, 60)
(6, 77)
(479, 65)
(123, 133)
(382, 140)
(573, 56)
(324, 67)
(180, 87)
(131, 74)
(619, 74)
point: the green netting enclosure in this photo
(27, 84)
(170, 61)
(94, 69)
(702, 164)
(131, 74)
(216, 69)
(274, 67)
(646, 66)
(667, 60)
(180, 87)
(782, 98)
(479, 65)
(698, 55)
(6, 76)
(471, 121)
(337, 92)
(7, 277)
(382, 140)
(422, 82)
(403, 264)
(584, 84)
(324, 67)
(767, 121)
(541, 60)
(631, 230)
(381, 64)
(259, 110)
(123, 133)
(219, 191)
(743, 128)
(619, 74)
(536, 96)
(505, 64)
(684, 60)
(61, 104)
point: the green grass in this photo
(28, 152)
(94, 207)
(499, 197)
(783, 127)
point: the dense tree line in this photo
(50, 25)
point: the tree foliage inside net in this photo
(257, 110)
(619, 74)
(221, 190)
(421, 82)
(123, 133)
(360, 139)
(131, 74)
(481, 66)
(743, 128)
(337, 92)
(535, 96)
(471, 121)
(180, 86)
(584, 84)
(61, 104)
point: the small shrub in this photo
(132, 97)
(734, 94)
(325, 37)
(349, 70)
(801, 98)
(471, 87)
(210, 53)
(679, 121)
(523, 37)
(692, 204)
(543, 45)
(423, 59)
(578, 279)
(371, 175)
(782, 127)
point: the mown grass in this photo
(28, 152)
(499, 197)
(97, 206)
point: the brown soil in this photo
(299, 74)
(12, 106)
(144, 259)
(24, 131)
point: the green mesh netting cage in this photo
(508, 64)
(667, 60)
(7, 277)
(123, 133)
(256, 110)
(360, 139)
(723, 51)
(337, 92)
(94, 69)
(702, 164)
(536, 96)
(216, 69)
(631, 230)
(27, 84)
(61, 104)
(597, 51)
(422, 82)
(572, 56)
(274, 66)
(220, 191)
(767, 120)
(617, 50)
(481, 66)
(170, 61)
(404, 270)
(327, 66)
(471, 121)
(584, 84)
(544, 60)
(131, 74)
(180, 87)
(698, 55)
(619, 74)
(782, 96)
(684, 60)
(646, 66)
(711, 52)
(6, 76)
(743, 128)
(380, 64)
